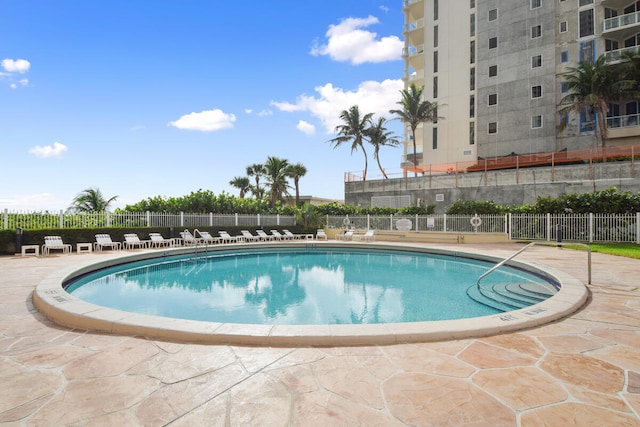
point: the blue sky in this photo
(142, 98)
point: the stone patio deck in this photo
(582, 370)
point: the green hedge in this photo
(74, 235)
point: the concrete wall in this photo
(509, 186)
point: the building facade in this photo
(496, 69)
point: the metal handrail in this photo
(559, 244)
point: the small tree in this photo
(379, 137)
(296, 172)
(242, 183)
(354, 130)
(91, 200)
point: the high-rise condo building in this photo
(497, 69)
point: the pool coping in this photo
(61, 307)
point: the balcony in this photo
(618, 55)
(623, 126)
(414, 32)
(416, 76)
(414, 8)
(615, 4)
(622, 27)
(414, 55)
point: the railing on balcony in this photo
(410, 26)
(413, 50)
(630, 120)
(618, 55)
(415, 75)
(621, 21)
(408, 3)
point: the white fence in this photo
(577, 228)
(61, 220)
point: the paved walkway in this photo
(583, 370)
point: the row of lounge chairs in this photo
(156, 240)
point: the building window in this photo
(493, 70)
(536, 91)
(564, 56)
(493, 128)
(435, 36)
(563, 27)
(587, 25)
(587, 51)
(587, 122)
(493, 98)
(536, 31)
(536, 122)
(472, 4)
(472, 106)
(472, 78)
(493, 42)
(472, 25)
(435, 87)
(435, 10)
(610, 45)
(435, 61)
(536, 4)
(564, 87)
(434, 141)
(585, 2)
(472, 133)
(472, 52)
(493, 14)
(536, 61)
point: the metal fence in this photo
(62, 220)
(577, 228)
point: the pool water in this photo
(298, 287)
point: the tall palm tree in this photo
(353, 130)
(415, 110)
(91, 200)
(591, 86)
(296, 172)
(257, 171)
(242, 183)
(380, 137)
(277, 173)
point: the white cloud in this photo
(306, 127)
(21, 82)
(385, 9)
(16, 66)
(55, 150)
(347, 41)
(206, 121)
(248, 110)
(370, 97)
(264, 113)
(34, 202)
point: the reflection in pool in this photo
(293, 286)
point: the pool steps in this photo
(510, 296)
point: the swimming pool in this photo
(51, 299)
(302, 286)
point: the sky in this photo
(161, 98)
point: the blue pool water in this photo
(294, 286)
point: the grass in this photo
(628, 250)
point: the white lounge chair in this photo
(249, 237)
(289, 234)
(265, 236)
(189, 239)
(320, 234)
(227, 238)
(55, 243)
(104, 241)
(368, 236)
(158, 241)
(348, 235)
(206, 237)
(132, 241)
(279, 236)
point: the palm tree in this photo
(242, 183)
(414, 111)
(353, 130)
(277, 173)
(379, 137)
(257, 171)
(592, 85)
(296, 172)
(91, 200)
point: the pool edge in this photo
(62, 308)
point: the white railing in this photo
(577, 228)
(621, 21)
(62, 220)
